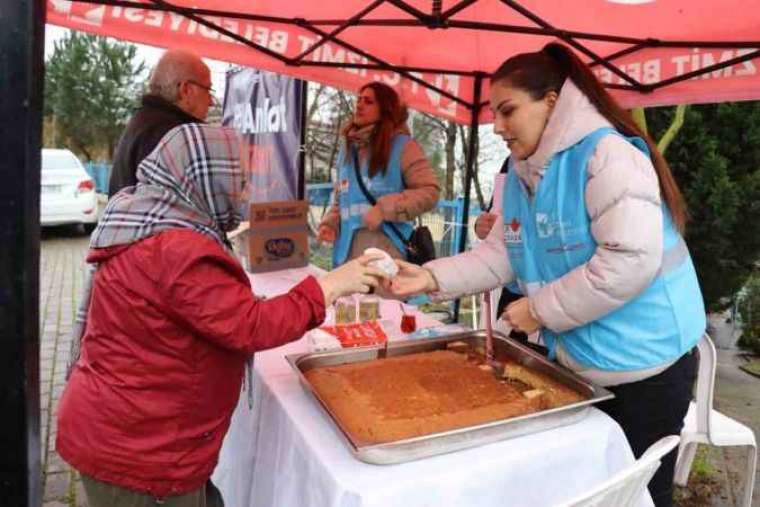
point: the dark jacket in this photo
(170, 326)
(145, 129)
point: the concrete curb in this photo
(747, 370)
(748, 359)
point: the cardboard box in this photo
(278, 236)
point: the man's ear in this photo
(182, 91)
(182, 88)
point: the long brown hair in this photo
(393, 116)
(546, 70)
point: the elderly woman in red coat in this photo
(170, 324)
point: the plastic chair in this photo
(625, 488)
(705, 425)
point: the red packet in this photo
(361, 334)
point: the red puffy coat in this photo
(171, 322)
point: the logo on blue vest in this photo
(513, 232)
(544, 227)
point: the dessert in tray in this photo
(419, 394)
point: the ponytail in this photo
(546, 70)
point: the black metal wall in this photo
(21, 67)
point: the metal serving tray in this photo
(461, 438)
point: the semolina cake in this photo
(419, 394)
(555, 394)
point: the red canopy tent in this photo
(650, 52)
(438, 53)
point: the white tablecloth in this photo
(281, 451)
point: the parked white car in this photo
(68, 194)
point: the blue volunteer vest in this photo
(551, 235)
(354, 205)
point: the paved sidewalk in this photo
(737, 393)
(61, 273)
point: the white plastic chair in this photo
(624, 489)
(705, 425)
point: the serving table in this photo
(282, 451)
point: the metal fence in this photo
(100, 173)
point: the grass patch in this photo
(71, 494)
(321, 261)
(320, 254)
(752, 367)
(703, 483)
(433, 307)
(701, 466)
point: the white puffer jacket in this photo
(623, 201)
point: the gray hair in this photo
(175, 66)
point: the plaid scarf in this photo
(191, 180)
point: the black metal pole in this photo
(21, 79)
(470, 164)
(302, 144)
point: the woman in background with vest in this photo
(592, 237)
(395, 172)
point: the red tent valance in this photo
(651, 52)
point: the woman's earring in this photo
(552, 99)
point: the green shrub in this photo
(749, 311)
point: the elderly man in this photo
(179, 92)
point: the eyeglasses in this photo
(209, 89)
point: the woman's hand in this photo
(484, 224)
(519, 316)
(411, 280)
(326, 234)
(373, 219)
(352, 277)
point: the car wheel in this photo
(88, 228)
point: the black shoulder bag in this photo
(420, 247)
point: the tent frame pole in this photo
(472, 156)
(21, 49)
(302, 146)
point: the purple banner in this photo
(266, 109)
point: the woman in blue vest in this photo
(592, 237)
(395, 172)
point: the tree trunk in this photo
(334, 149)
(475, 165)
(673, 129)
(111, 148)
(314, 103)
(451, 140)
(83, 148)
(476, 182)
(640, 117)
